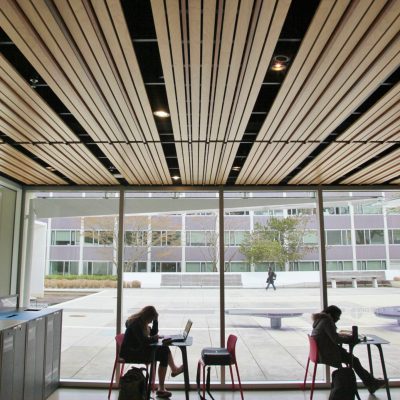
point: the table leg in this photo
(384, 371)
(185, 371)
(276, 323)
(371, 369)
(152, 371)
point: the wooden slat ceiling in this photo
(232, 120)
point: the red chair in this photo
(312, 356)
(118, 360)
(218, 356)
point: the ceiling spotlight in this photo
(161, 114)
(235, 168)
(51, 169)
(279, 63)
(118, 176)
(176, 177)
(33, 82)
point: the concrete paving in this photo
(264, 354)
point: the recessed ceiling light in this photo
(161, 114)
(176, 177)
(117, 176)
(51, 169)
(235, 168)
(279, 63)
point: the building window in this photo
(264, 266)
(136, 238)
(166, 238)
(98, 238)
(370, 236)
(337, 210)
(199, 266)
(368, 209)
(234, 238)
(65, 238)
(64, 267)
(237, 212)
(369, 265)
(237, 266)
(338, 237)
(165, 266)
(135, 266)
(301, 211)
(394, 236)
(97, 268)
(310, 238)
(339, 265)
(275, 213)
(304, 266)
(199, 238)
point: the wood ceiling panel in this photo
(341, 159)
(74, 161)
(350, 48)
(69, 43)
(20, 167)
(383, 170)
(379, 124)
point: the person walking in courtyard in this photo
(331, 352)
(271, 278)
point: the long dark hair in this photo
(146, 314)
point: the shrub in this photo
(396, 278)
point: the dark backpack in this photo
(132, 386)
(344, 384)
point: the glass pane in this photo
(179, 274)
(86, 276)
(366, 288)
(278, 231)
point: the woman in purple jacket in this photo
(136, 346)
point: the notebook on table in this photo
(181, 337)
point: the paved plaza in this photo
(264, 354)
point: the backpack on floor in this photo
(132, 386)
(344, 384)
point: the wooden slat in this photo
(263, 38)
(74, 161)
(331, 91)
(341, 159)
(381, 171)
(22, 168)
(161, 25)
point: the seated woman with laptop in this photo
(136, 346)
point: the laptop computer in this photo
(181, 337)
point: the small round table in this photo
(389, 312)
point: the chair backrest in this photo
(118, 341)
(231, 346)
(313, 354)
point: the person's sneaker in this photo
(375, 385)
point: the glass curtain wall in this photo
(272, 281)
(8, 198)
(171, 259)
(74, 241)
(363, 262)
(171, 262)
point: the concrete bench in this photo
(389, 312)
(200, 280)
(355, 278)
(275, 316)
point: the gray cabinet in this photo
(30, 351)
(34, 372)
(12, 368)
